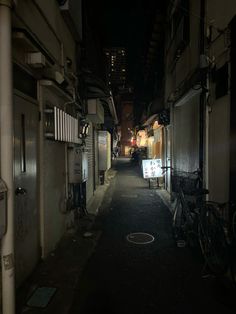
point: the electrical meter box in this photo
(77, 165)
(3, 208)
(104, 150)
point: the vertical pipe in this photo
(41, 170)
(6, 151)
(55, 122)
(203, 94)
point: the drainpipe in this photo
(6, 155)
(203, 94)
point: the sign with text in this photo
(152, 168)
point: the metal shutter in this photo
(186, 135)
(89, 148)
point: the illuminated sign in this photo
(152, 168)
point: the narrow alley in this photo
(123, 277)
(117, 157)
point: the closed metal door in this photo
(25, 180)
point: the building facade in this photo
(115, 58)
(199, 87)
(49, 173)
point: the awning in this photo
(96, 88)
(150, 120)
(188, 96)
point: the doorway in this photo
(168, 157)
(27, 243)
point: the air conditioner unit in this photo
(54, 75)
(35, 59)
(95, 111)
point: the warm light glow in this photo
(141, 138)
(156, 125)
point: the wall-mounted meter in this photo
(3, 208)
(77, 165)
(104, 150)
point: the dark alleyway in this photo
(121, 277)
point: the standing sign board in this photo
(152, 168)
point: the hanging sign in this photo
(152, 168)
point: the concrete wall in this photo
(184, 119)
(219, 130)
(189, 59)
(54, 218)
(44, 22)
(217, 115)
(219, 15)
(52, 33)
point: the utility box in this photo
(77, 165)
(95, 111)
(3, 208)
(104, 150)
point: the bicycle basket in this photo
(185, 181)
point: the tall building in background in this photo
(116, 67)
(126, 127)
(116, 74)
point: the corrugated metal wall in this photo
(96, 156)
(186, 135)
(90, 149)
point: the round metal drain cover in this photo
(140, 238)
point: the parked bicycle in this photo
(227, 216)
(197, 221)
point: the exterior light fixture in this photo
(84, 130)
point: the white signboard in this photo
(152, 168)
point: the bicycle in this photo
(213, 240)
(227, 216)
(198, 221)
(189, 198)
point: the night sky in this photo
(127, 23)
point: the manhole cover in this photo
(140, 238)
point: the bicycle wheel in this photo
(234, 226)
(233, 248)
(212, 240)
(178, 221)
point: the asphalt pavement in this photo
(122, 277)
